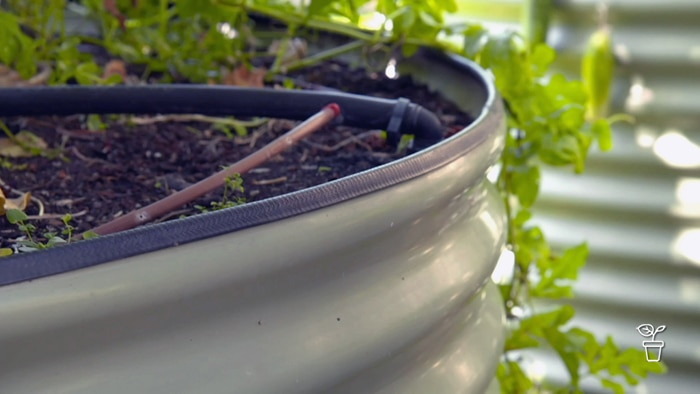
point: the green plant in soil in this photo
(195, 40)
(232, 185)
(21, 220)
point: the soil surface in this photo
(98, 175)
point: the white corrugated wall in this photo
(639, 205)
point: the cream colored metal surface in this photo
(388, 292)
(275, 309)
(639, 205)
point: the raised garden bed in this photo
(360, 283)
(99, 175)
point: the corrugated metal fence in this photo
(639, 205)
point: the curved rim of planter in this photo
(29, 266)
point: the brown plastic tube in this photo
(161, 207)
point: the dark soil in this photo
(97, 176)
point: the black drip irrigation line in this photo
(397, 117)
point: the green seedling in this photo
(32, 243)
(404, 143)
(7, 164)
(232, 185)
(20, 219)
(95, 123)
(67, 227)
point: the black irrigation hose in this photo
(395, 116)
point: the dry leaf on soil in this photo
(20, 202)
(296, 49)
(243, 76)
(10, 148)
(10, 78)
(115, 67)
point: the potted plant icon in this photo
(652, 348)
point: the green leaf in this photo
(403, 19)
(513, 379)
(522, 217)
(536, 327)
(440, 6)
(553, 291)
(26, 227)
(17, 49)
(616, 388)
(4, 252)
(90, 234)
(127, 52)
(54, 241)
(542, 57)
(526, 184)
(566, 351)
(30, 246)
(559, 151)
(530, 246)
(66, 219)
(603, 132)
(94, 123)
(15, 216)
(192, 7)
(409, 50)
(429, 19)
(475, 37)
(317, 7)
(87, 73)
(571, 262)
(554, 318)
(387, 7)
(506, 55)
(597, 71)
(520, 339)
(556, 274)
(49, 235)
(564, 91)
(536, 18)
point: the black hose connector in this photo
(395, 116)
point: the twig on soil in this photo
(211, 145)
(169, 203)
(256, 135)
(273, 181)
(90, 160)
(81, 134)
(172, 215)
(68, 201)
(197, 118)
(253, 138)
(39, 203)
(353, 138)
(48, 216)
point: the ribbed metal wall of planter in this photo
(639, 205)
(377, 282)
